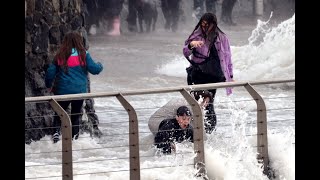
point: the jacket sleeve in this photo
(229, 65)
(50, 75)
(93, 67)
(190, 134)
(163, 139)
(186, 51)
(194, 36)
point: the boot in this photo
(56, 137)
(115, 30)
(97, 132)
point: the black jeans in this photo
(198, 77)
(76, 106)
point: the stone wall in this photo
(46, 22)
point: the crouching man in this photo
(174, 130)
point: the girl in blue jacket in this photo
(68, 74)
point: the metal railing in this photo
(199, 160)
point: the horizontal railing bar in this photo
(154, 91)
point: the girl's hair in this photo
(71, 40)
(211, 19)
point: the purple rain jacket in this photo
(223, 48)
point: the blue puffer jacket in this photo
(75, 81)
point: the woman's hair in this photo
(71, 40)
(211, 19)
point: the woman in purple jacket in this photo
(208, 51)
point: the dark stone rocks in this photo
(46, 23)
(28, 23)
(39, 4)
(40, 39)
(76, 23)
(54, 35)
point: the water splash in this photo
(272, 58)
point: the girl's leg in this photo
(76, 106)
(57, 121)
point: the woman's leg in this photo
(211, 118)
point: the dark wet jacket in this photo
(169, 132)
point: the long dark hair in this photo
(211, 19)
(71, 40)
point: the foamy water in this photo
(230, 151)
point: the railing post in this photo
(262, 136)
(133, 138)
(199, 160)
(67, 170)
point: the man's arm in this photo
(163, 139)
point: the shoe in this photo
(75, 137)
(55, 137)
(97, 132)
(115, 27)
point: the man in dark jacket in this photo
(226, 11)
(170, 10)
(174, 130)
